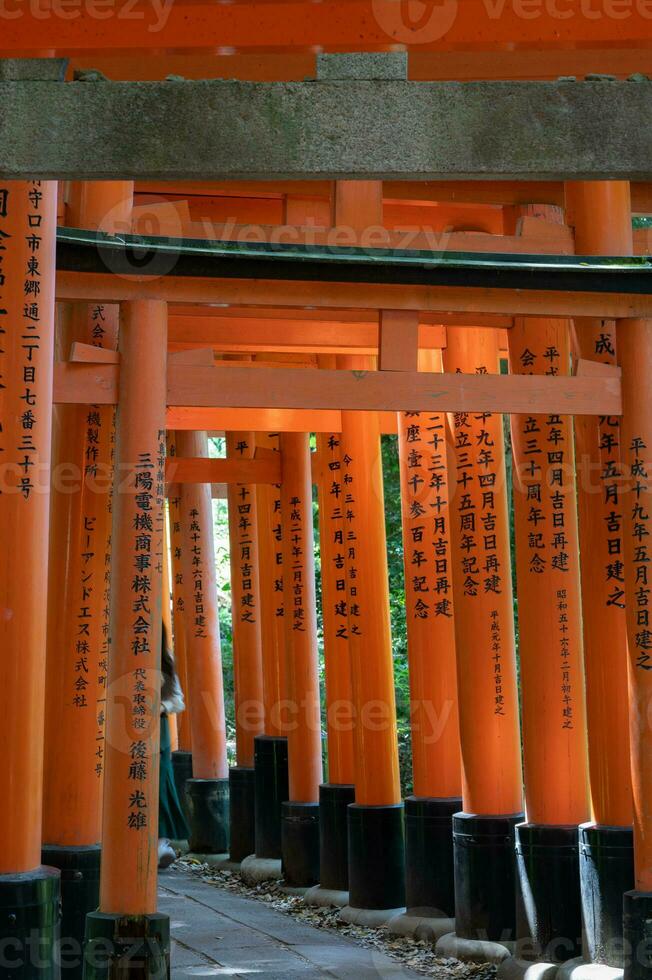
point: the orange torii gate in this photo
(247, 649)
(324, 398)
(79, 596)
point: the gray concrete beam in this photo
(327, 129)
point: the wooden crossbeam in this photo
(186, 470)
(96, 287)
(234, 387)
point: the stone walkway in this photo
(218, 934)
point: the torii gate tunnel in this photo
(270, 290)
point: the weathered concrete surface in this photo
(32, 69)
(253, 869)
(579, 970)
(422, 927)
(516, 969)
(472, 950)
(365, 65)
(326, 897)
(369, 918)
(217, 933)
(326, 129)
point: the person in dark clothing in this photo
(172, 823)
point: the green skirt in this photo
(171, 820)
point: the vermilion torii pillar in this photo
(338, 793)
(247, 648)
(376, 834)
(271, 748)
(600, 213)
(78, 597)
(29, 892)
(127, 914)
(436, 764)
(208, 790)
(635, 358)
(486, 663)
(550, 629)
(300, 815)
(182, 758)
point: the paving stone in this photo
(225, 935)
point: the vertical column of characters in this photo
(270, 545)
(429, 604)
(484, 616)
(130, 816)
(335, 613)
(27, 271)
(548, 577)
(302, 669)
(245, 604)
(204, 663)
(179, 606)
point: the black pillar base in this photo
(548, 907)
(271, 768)
(429, 865)
(208, 800)
(122, 946)
(334, 800)
(637, 933)
(606, 872)
(300, 844)
(376, 856)
(30, 920)
(80, 894)
(182, 768)
(242, 803)
(485, 876)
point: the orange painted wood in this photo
(264, 470)
(548, 589)
(267, 420)
(131, 774)
(167, 618)
(635, 358)
(261, 292)
(398, 348)
(179, 606)
(300, 621)
(84, 383)
(356, 25)
(80, 566)
(287, 388)
(272, 611)
(601, 215)
(482, 592)
(78, 603)
(81, 353)
(246, 615)
(248, 387)
(328, 475)
(198, 357)
(470, 65)
(488, 192)
(203, 652)
(26, 355)
(425, 510)
(257, 333)
(370, 643)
